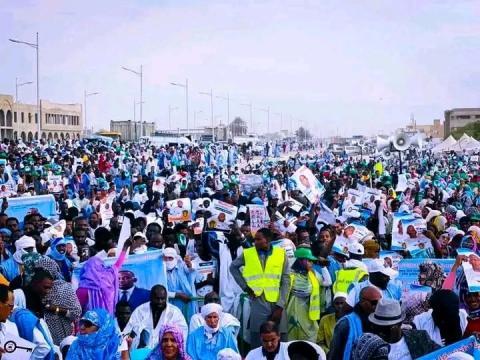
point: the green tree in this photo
(472, 130)
(303, 134)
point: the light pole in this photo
(281, 119)
(211, 111)
(251, 114)
(227, 99)
(139, 74)
(135, 103)
(170, 109)
(267, 110)
(17, 85)
(195, 113)
(85, 96)
(186, 99)
(39, 109)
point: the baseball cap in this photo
(378, 265)
(304, 253)
(356, 248)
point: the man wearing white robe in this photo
(149, 318)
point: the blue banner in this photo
(148, 269)
(21, 206)
(467, 346)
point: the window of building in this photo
(15, 117)
(464, 117)
(29, 118)
(477, 116)
(36, 119)
(23, 117)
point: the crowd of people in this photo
(254, 264)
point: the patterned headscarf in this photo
(415, 304)
(370, 347)
(157, 354)
(432, 275)
(29, 265)
(101, 344)
(49, 265)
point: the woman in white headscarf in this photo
(208, 340)
(11, 267)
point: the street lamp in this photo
(170, 109)
(195, 113)
(251, 114)
(211, 111)
(139, 74)
(135, 103)
(85, 96)
(17, 85)
(186, 99)
(39, 109)
(227, 99)
(281, 119)
(267, 110)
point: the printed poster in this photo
(471, 268)
(179, 210)
(304, 180)
(258, 217)
(223, 215)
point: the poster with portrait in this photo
(407, 234)
(6, 190)
(179, 210)
(223, 215)
(258, 217)
(159, 184)
(54, 183)
(471, 268)
(304, 180)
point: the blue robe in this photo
(200, 348)
(10, 269)
(181, 279)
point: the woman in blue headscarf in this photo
(98, 337)
(58, 252)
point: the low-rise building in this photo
(457, 118)
(132, 130)
(20, 121)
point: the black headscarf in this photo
(446, 305)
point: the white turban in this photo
(170, 252)
(207, 309)
(24, 242)
(20, 245)
(228, 354)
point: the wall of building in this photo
(132, 130)
(20, 121)
(457, 118)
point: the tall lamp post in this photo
(186, 99)
(17, 85)
(195, 113)
(39, 109)
(140, 75)
(85, 96)
(250, 105)
(211, 111)
(170, 110)
(227, 99)
(267, 110)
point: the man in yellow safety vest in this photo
(265, 278)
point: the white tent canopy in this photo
(446, 145)
(466, 143)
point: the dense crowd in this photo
(294, 254)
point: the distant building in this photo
(457, 118)
(238, 127)
(132, 130)
(431, 131)
(20, 121)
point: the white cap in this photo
(378, 265)
(459, 215)
(139, 234)
(340, 294)
(356, 248)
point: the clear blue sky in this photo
(346, 66)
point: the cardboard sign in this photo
(180, 210)
(304, 180)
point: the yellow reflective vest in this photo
(314, 310)
(264, 281)
(346, 277)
